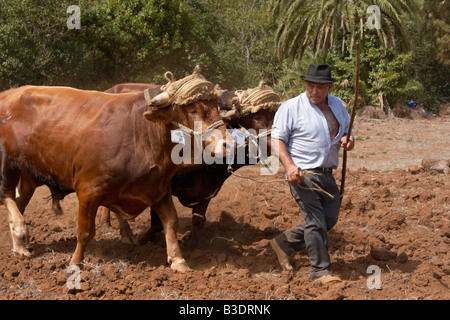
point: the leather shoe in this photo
(328, 278)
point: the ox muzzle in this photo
(210, 145)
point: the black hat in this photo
(319, 74)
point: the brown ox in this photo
(27, 184)
(196, 186)
(130, 87)
(109, 149)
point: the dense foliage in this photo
(237, 43)
(406, 58)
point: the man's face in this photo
(317, 92)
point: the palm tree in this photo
(320, 24)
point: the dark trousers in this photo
(320, 213)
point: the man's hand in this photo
(347, 145)
(295, 175)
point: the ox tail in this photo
(56, 204)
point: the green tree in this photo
(35, 47)
(326, 24)
(395, 66)
(136, 40)
(430, 65)
(436, 24)
(240, 41)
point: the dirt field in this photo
(401, 213)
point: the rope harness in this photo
(194, 133)
(251, 138)
(305, 172)
(253, 100)
(183, 92)
(198, 134)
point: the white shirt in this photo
(303, 128)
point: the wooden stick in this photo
(349, 131)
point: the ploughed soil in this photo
(391, 241)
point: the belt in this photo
(322, 169)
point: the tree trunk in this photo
(381, 100)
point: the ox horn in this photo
(228, 115)
(235, 101)
(160, 99)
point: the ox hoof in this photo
(133, 241)
(57, 211)
(180, 265)
(76, 260)
(22, 252)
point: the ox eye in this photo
(192, 111)
(258, 118)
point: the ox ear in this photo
(158, 115)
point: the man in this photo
(307, 133)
